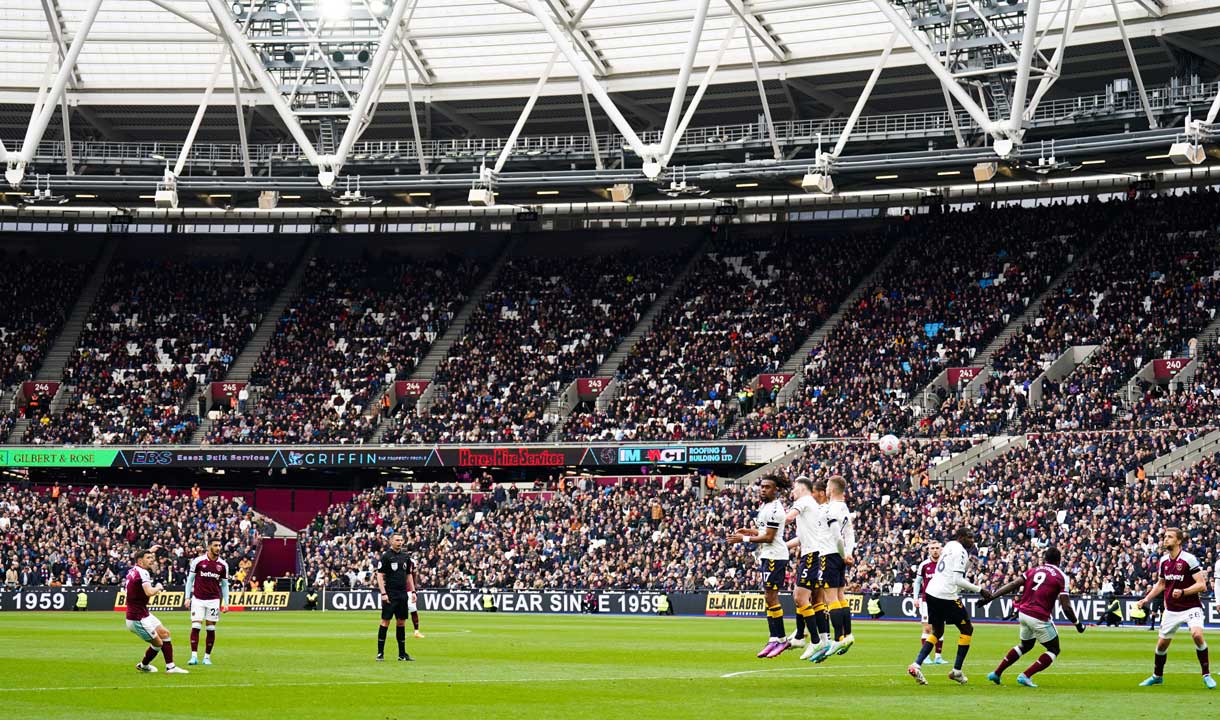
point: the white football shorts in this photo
(1034, 629)
(145, 629)
(205, 610)
(1171, 620)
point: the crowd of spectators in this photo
(747, 306)
(1150, 284)
(74, 536)
(633, 534)
(355, 327)
(157, 331)
(35, 297)
(956, 281)
(1085, 492)
(538, 329)
(1192, 402)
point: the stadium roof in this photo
(472, 63)
(140, 52)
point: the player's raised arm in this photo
(1003, 590)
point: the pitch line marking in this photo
(447, 681)
(834, 676)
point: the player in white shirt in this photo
(836, 543)
(806, 511)
(772, 554)
(945, 604)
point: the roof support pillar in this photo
(360, 114)
(1025, 63)
(762, 96)
(946, 78)
(702, 89)
(597, 155)
(864, 95)
(15, 170)
(419, 142)
(1135, 66)
(688, 62)
(241, 49)
(652, 165)
(525, 113)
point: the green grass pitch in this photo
(311, 666)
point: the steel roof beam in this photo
(742, 9)
(1155, 8)
(649, 156)
(1210, 54)
(271, 89)
(15, 167)
(50, 9)
(201, 24)
(920, 46)
(580, 36)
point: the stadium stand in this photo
(1193, 403)
(1151, 285)
(749, 305)
(1068, 489)
(87, 536)
(35, 296)
(957, 281)
(158, 330)
(357, 325)
(545, 323)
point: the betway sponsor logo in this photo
(510, 457)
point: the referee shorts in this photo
(397, 607)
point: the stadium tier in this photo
(356, 326)
(757, 332)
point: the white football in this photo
(889, 445)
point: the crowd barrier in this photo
(1089, 608)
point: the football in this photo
(889, 444)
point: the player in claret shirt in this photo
(1181, 578)
(140, 590)
(923, 575)
(1042, 587)
(207, 596)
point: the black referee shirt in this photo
(396, 566)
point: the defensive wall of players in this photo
(1090, 608)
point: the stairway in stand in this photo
(52, 367)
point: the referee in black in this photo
(395, 580)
